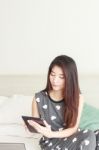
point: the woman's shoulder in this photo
(40, 94)
(41, 97)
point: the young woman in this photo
(60, 105)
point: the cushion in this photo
(3, 99)
(16, 130)
(12, 108)
(90, 117)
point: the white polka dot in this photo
(58, 107)
(58, 147)
(38, 99)
(81, 147)
(96, 132)
(65, 139)
(46, 141)
(50, 144)
(53, 117)
(85, 131)
(87, 142)
(74, 140)
(78, 129)
(46, 93)
(66, 148)
(44, 106)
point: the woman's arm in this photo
(35, 112)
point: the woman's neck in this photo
(56, 95)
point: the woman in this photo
(60, 105)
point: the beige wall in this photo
(32, 32)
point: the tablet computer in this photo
(30, 128)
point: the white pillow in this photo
(14, 107)
(16, 131)
(3, 99)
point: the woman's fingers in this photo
(32, 123)
(46, 124)
(35, 125)
(46, 131)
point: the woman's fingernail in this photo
(29, 121)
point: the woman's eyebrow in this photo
(52, 71)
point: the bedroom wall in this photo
(33, 32)
(29, 84)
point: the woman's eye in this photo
(52, 74)
(61, 77)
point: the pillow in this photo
(90, 117)
(16, 131)
(14, 107)
(3, 100)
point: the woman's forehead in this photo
(57, 69)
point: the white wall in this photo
(33, 32)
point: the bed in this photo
(16, 95)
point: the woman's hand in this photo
(46, 131)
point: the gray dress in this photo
(52, 111)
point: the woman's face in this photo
(57, 79)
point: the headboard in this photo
(29, 84)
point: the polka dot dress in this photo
(97, 139)
(52, 111)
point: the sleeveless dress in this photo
(52, 111)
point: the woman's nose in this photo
(55, 79)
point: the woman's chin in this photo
(56, 89)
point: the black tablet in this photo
(30, 128)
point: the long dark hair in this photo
(72, 90)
